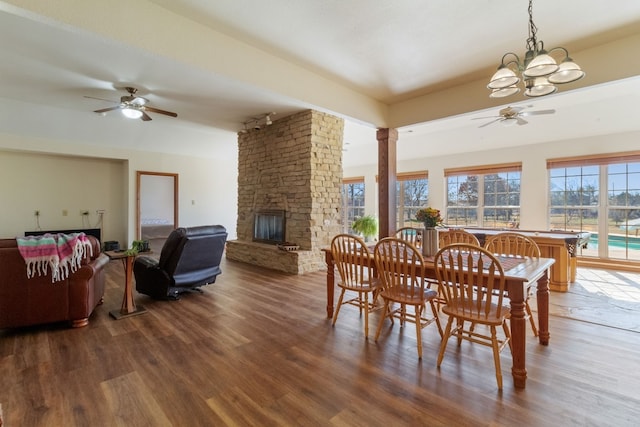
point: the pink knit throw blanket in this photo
(60, 252)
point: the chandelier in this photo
(539, 71)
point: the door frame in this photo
(139, 175)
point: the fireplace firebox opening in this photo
(269, 226)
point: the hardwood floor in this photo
(255, 348)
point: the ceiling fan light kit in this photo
(509, 121)
(539, 70)
(131, 113)
(132, 106)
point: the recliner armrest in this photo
(150, 279)
(146, 262)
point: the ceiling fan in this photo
(512, 115)
(132, 106)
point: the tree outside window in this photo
(462, 200)
(484, 197)
(413, 193)
(352, 202)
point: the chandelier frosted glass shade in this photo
(568, 72)
(541, 65)
(507, 91)
(503, 78)
(540, 87)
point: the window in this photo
(352, 201)
(412, 191)
(578, 202)
(623, 183)
(484, 196)
(573, 198)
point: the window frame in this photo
(401, 206)
(604, 227)
(350, 212)
(477, 212)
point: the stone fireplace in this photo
(294, 168)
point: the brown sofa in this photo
(25, 302)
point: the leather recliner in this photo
(190, 258)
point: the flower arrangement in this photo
(430, 217)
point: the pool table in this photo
(560, 245)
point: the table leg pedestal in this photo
(330, 282)
(128, 303)
(542, 298)
(518, 351)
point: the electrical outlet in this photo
(84, 212)
(36, 212)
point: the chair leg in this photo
(507, 334)
(366, 315)
(335, 315)
(459, 330)
(385, 311)
(496, 356)
(531, 319)
(434, 309)
(376, 293)
(472, 328)
(445, 339)
(360, 299)
(418, 311)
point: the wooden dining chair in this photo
(517, 245)
(448, 237)
(400, 268)
(354, 263)
(468, 275)
(412, 235)
(456, 235)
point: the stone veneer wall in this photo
(296, 165)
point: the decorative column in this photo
(387, 141)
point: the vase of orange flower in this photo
(431, 218)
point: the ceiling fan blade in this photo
(485, 117)
(156, 110)
(104, 110)
(145, 117)
(488, 123)
(537, 112)
(521, 121)
(101, 99)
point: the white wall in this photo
(156, 198)
(60, 187)
(207, 192)
(52, 176)
(534, 182)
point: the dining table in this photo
(520, 275)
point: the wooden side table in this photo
(128, 302)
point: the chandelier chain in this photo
(532, 41)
